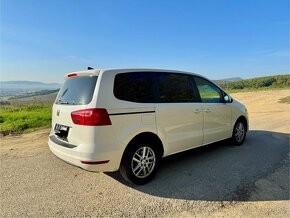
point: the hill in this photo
(16, 88)
(268, 82)
(44, 96)
(28, 83)
(232, 79)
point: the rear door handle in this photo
(207, 110)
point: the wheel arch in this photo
(145, 135)
(244, 120)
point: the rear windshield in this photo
(77, 90)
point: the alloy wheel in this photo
(240, 132)
(143, 162)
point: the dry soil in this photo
(219, 180)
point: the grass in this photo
(19, 118)
(285, 100)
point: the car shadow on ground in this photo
(224, 172)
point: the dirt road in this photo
(214, 181)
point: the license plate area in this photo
(61, 131)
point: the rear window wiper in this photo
(65, 91)
(65, 102)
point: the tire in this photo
(138, 167)
(239, 133)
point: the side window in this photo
(209, 93)
(174, 87)
(135, 87)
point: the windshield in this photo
(77, 90)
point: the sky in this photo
(43, 40)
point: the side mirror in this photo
(227, 99)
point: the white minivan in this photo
(128, 119)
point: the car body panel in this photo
(179, 125)
(217, 121)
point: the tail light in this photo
(72, 75)
(91, 117)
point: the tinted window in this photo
(77, 90)
(135, 87)
(209, 93)
(173, 87)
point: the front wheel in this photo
(140, 162)
(239, 133)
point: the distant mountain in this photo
(16, 88)
(29, 83)
(232, 79)
(38, 96)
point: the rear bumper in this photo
(75, 157)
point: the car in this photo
(129, 119)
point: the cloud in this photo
(78, 59)
(281, 22)
(279, 53)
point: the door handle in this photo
(207, 110)
(196, 111)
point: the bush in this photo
(278, 81)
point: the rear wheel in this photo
(140, 162)
(239, 133)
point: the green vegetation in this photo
(22, 117)
(32, 94)
(19, 118)
(285, 100)
(5, 98)
(269, 82)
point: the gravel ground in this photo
(213, 181)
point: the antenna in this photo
(90, 68)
